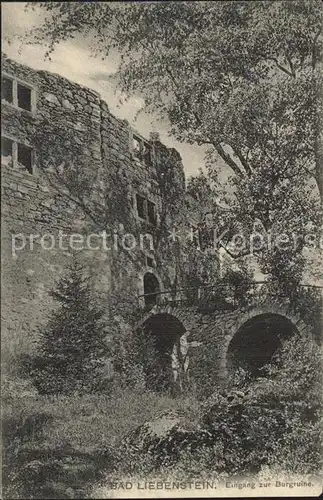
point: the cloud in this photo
(106, 77)
(73, 60)
(68, 60)
(16, 20)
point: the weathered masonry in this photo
(70, 167)
(244, 337)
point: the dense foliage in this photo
(275, 420)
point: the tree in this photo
(71, 351)
(248, 86)
(235, 89)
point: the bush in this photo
(240, 282)
(273, 420)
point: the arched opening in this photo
(158, 334)
(151, 289)
(256, 341)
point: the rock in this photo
(23, 189)
(68, 105)
(80, 127)
(154, 430)
(165, 436)
(69, 93)
(81, 99)
(51, 98)
(96, 112)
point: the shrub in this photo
(273, 420)
(240, 282)
(294, 380)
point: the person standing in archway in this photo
(176, 382)
(180, 361)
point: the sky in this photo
(72, 59)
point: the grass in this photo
(68, 446)
(56, 447)
(91, 420)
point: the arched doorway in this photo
(257, 340)
(159, 333)
(151, 289)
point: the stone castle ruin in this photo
(69, 167)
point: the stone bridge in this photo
(245, 337)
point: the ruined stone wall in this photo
(70, 128)
(30, 204)
(160, 181)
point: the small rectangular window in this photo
(140, 206)
(24, 97)
(136, 146)
(16, 155)
(141, 149)
(146, 209)
(25, 156)
(150, 262)
(6, 147)
(151, 212)
(7, 89)
(20, 95)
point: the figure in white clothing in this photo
(180, 360)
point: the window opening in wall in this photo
(15, 154)
(151, 212)
(18, 94)
(24, 97)
(150, 261)
(6, 149)
(7, 89)
(141, 206)
(25, 157)
(146, 209)
(141, 149)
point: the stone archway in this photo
(233, 322)
(217, 331)
(159, 334)
(188, 316)
(257, 340)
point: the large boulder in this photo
(165, 436)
